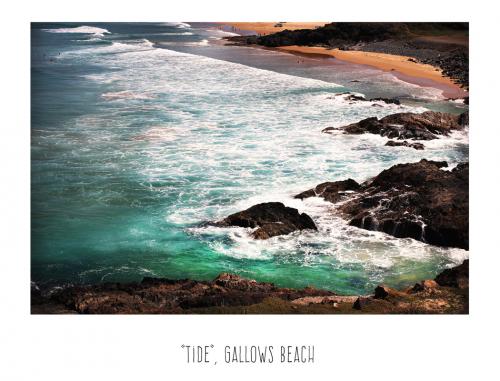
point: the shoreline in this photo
(401, 67)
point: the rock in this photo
(329, 130)
(404, 143)
(416, 200)
(354, 97)
(455, 277)
(424, 285)
(360, 303)
(383, 291)
(330, 191)
(425, 126)
(463, 119)
(387, 100)
(271, 219)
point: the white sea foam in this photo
(176, 34)
(220, 32)
(126, 94)
(84, 29)
(181, 25)
(417, 91)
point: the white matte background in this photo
(347, 347)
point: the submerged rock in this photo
(404, 143)
(425, 126)
(271, 219)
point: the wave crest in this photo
(84, 29)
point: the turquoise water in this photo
(143, 132)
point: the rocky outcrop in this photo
(230, 293)
(455, 277)
(426, 126)
(270, 219)
(394, 101)
(331, 191)
(348, 96)
(404, 143)
(417, 200)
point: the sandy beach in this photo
(263, 28)
(401, 66)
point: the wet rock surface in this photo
(230, 293)
(270, 219)
(455, 277)
(425, 126)
(417, 200)
(331, 191)
(404, 143)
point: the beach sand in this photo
(263, 28)
(401, 66)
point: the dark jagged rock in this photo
(330, 191)
(417, 200)
(360, 303)
(455, 277)
(387, 100)
(463, 119)
(230, 293)
(354, 97)
(271, 219)
(404, 143)
(425, 126)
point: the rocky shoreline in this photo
(232, 294)
(425, 200)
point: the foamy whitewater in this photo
(139, 138)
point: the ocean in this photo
(141, 133)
